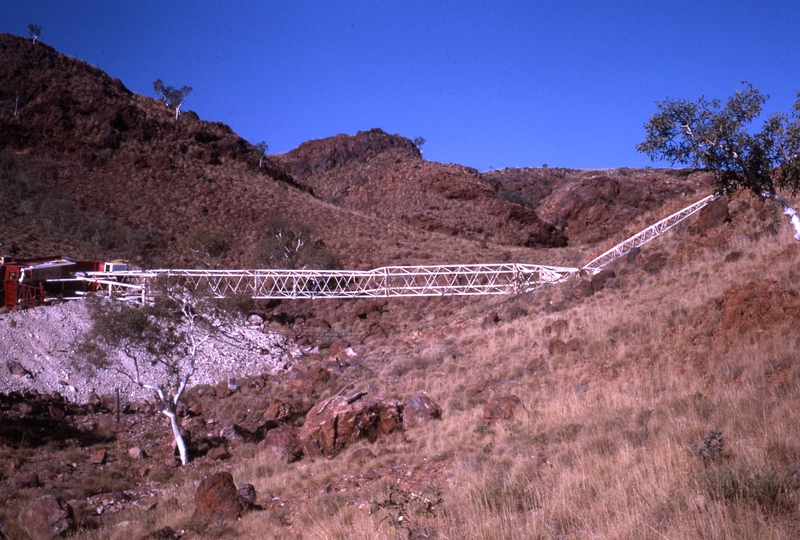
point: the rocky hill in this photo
(657, 399)
(92, 168)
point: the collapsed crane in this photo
(34, 282)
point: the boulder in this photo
(582, 289)
(501, 408)
(419, 409)
(283, 443)
(247, 495)
(277, 410)
(712, 216)
(46, 518)
(515, 312)
(218, 453)
(136, 453)
(558, 327)
(217, 499)
(98, 457)
(336, 422)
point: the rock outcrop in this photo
(217, 499)
(337, 422)
(46, 518)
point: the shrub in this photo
(292, 246)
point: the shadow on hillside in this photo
(38, 426)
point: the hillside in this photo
(658, 399)
(82, 148)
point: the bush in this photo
(291, 246)
(208, 246)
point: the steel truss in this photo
(390, 281)
(641, 238)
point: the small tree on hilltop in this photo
(160, 343)
(261, 150)
(34, 31)
(419, 142)
(173, 97)
(705, 134)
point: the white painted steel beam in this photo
(641, 238)
(389, 281)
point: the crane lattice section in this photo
(389, 281)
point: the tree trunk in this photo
(176, 432)
(788, 211)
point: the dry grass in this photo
(610, 443)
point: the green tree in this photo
(261, 150)
(34, 31)
(173, 97)
(419, 142)
(706, 134)
(209, 246)
(292, 246)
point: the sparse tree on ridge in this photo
(705, 134)
(173, 97)
(261, 148)
(419, 142)
(34, 31)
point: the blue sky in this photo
(488, 84)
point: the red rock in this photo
(334, 423)
(217, 499)
(712, 216)
(419, 409)
(136, 453)
(582, 289)
(247, 494)
(655, 263)
(501, 408)
(218, 453)
(98, 457)
(46, 518)
(515, 312)
(277, 410)
(283, 443)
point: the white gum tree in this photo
(706, 134)
(34, 31)
(173, 97)
(159, 344)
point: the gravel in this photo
(37, 352)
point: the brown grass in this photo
(606, 446)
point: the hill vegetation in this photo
(659, 400)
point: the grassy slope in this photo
(602, 448)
